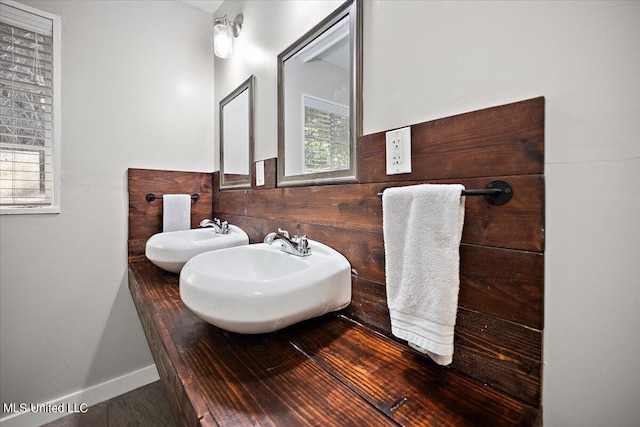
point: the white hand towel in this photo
(176, 212)
(422, 227)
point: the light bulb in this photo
(222, 40)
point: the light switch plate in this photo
(398, 151)
(260, 173)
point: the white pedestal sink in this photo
(259, 288)
(171, 250)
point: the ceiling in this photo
(209, 6)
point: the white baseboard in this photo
(43, 413)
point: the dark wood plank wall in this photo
(145, 218)
(500, 317)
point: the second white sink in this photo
(171, 250)
(259, 288)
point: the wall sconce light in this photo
(222, 31)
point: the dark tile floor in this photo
(145, 406)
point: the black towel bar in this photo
(150, 197)
(495, 193)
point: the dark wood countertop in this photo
(329, 371)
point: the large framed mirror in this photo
(236, 137)
(320, 102)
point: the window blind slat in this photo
(26, 20)
(11, 59)
(8, 90)
(24, 48)
(7, 123)
(25, 77)
(8, 33)
(25, 119)
(37, 135)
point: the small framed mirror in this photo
(319, 101)
(236, 137)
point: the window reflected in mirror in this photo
(326, 135)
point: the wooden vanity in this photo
(347, 368)
(329, 371)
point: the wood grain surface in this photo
(328, 371)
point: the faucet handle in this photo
(303, 244)
(285, 233)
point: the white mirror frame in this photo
(353, 9)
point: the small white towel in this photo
(422, 227)
(176, 212)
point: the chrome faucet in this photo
(218, 227)
(295, 245)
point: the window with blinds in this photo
(326, 135)
(27, 139)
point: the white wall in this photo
(428, 59)
(137, 91)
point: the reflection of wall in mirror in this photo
(323, 76)
(236, 135)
